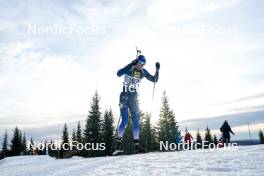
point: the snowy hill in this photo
(246, 160)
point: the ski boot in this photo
(117, 147)
(137, 148)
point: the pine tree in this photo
(31, 149)
(46, 149)
(65, 142)
(261, 137)
(80, 139)
(108, 131)
(51, 149)
(92, 131)
(40, 151)
(155, 146)
(128, 139)
(215, 140)
(147, 138)
(16, 143)
(4, 146)
(65, 134)
(167, 124)
(208, 137)
(79, 132)
(145, 130)
(24, 144)
(74, 138)
(199, 140)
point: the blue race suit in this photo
(128, 97)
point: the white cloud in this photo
(57, 74)
(39, 85)
(171, 11)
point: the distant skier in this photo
(188, 138)
(221, 141)
(178, 140)
(226, 130)
(133, 73)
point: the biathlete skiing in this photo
(133, 74)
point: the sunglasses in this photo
(141, 63)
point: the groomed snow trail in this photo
(246, 160)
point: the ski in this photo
(118, 153)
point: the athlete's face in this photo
(139, 66)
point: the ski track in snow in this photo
(247, 160)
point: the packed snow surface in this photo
(246, 160)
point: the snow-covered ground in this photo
(246, 160)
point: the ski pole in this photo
(155, 79)
(153, 93)
(138, 52)
(153, 90)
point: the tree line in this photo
(100, 127)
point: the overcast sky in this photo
(211, 55)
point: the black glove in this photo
(157, 66)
